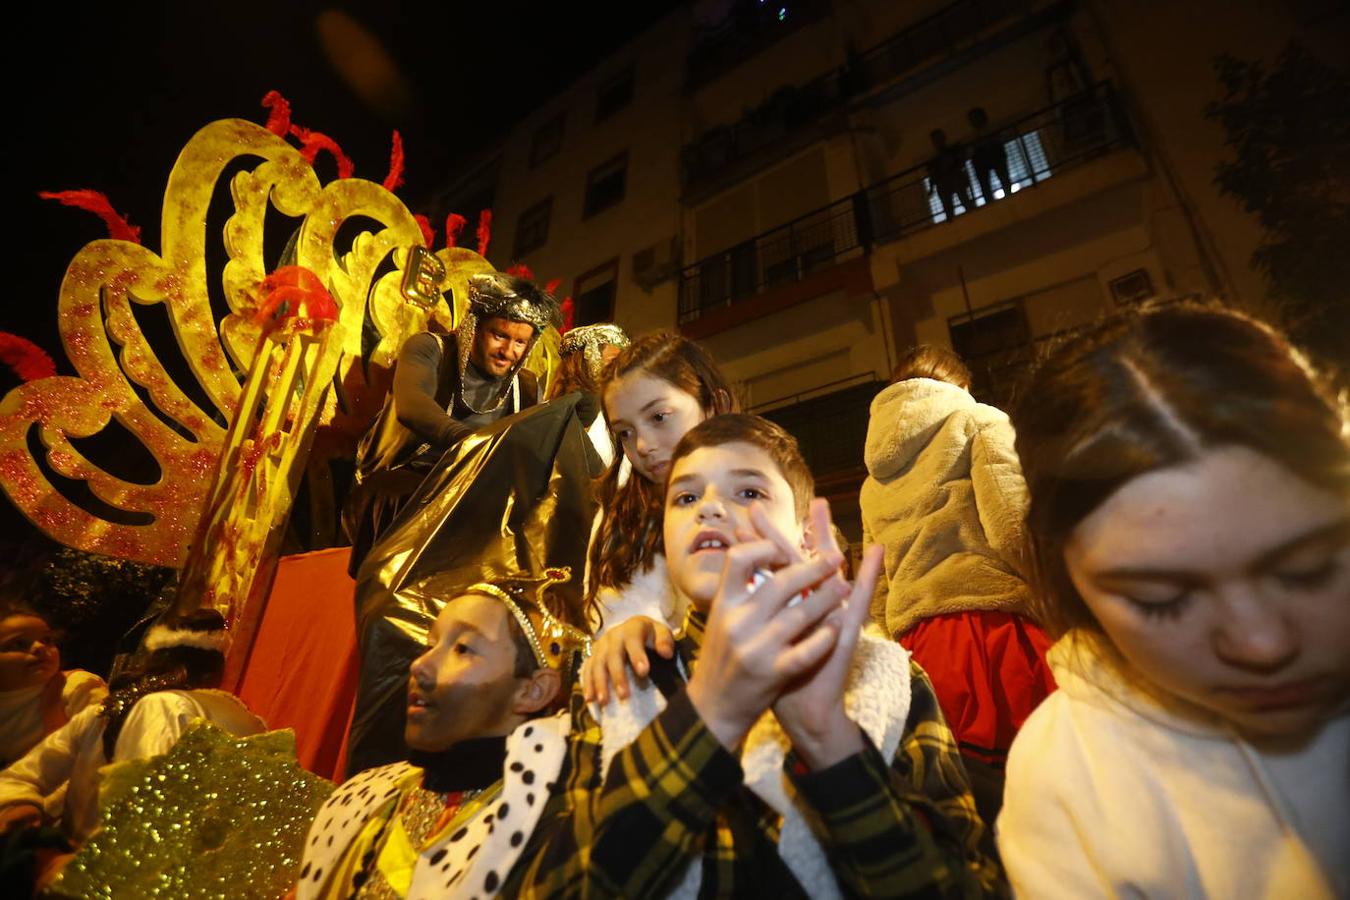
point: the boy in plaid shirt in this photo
(782, 752)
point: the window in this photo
(532, 227)
(547, 140)
(995, 343)
(593, 294)
(614, 95)
(1027, 165)
(605, 186)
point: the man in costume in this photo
(497, 660)
(443, 391)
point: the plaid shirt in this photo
(907, 828)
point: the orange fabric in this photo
(301, 673)
(989, 671)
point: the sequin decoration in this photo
(215, 817)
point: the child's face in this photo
(708, 501)
(28, 654)
(648, 416)
(1226, 582)
(464, 685)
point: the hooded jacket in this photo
(1115, 791)
(945, 496)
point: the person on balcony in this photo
(443, 391)
(947, 174)
(988, 156)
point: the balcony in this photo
(1037, 146)
(947, 38)
(788, 253)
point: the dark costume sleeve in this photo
(905, 828)
(415, 384)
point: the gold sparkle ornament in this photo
(215, 817)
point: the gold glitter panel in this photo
(215, 817)
(120, 374)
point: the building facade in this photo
(808, 188)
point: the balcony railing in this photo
(1035, 146)
(788, 253)
(792, 107)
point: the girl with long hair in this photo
(1189, 536)
(657, 389)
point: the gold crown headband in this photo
(554, 642)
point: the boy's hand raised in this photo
(755, 643)
(811, 707)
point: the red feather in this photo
(428, 233)
(454, 226)
(568, 312)
(279, 119)
(29, 361)
(395, 176)
(520, 270)
(552, 286)
(93, 201)
(484, 231)
(311, 142)
(293, 292)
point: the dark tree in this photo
(1289, 128)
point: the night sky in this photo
(121, 87)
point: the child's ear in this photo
(538, 691)
(721, 402)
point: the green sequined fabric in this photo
(217, 816)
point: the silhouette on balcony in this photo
(947, 173)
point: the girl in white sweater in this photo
(1189, 528)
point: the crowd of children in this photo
(1167, 510)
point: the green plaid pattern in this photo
(907, 828)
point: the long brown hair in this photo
(1155, 389)
(630, 528)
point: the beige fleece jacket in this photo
(945, 496)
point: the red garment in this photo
(301, 671)
(989, 671)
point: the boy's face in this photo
(708, 501)
(464, 685)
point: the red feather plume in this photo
(454, 226)
(279, 113)
(484, 232)
(29, 361)
(93, 201)
(395, 177)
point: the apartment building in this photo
(766, 177)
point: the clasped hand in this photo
(762, 650)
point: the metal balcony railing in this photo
(788, 253)
(1037, 146)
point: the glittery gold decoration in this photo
(120, 372)
(217, 816)
(235, 550)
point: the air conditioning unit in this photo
(657, 263)
(1133, 287)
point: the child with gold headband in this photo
(452, 819)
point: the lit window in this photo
(1027, 165)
